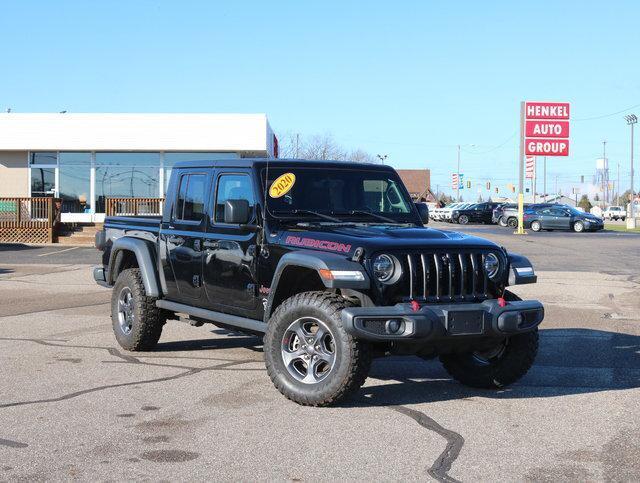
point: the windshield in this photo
(345, 194)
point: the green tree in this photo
(585, 204)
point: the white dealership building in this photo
(83, 159)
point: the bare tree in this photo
(319, 146)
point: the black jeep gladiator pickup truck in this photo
(331, 262)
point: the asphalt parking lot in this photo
(73, 405)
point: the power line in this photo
(606, 115)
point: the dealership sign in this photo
(546, 129)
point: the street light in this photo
(382, 157)
(631, 221)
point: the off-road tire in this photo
(536, 226)
(353, 356)
(516, 360)
(578, 227)
(148, 320)
(512, 222)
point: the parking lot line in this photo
(59, 251)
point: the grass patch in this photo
(622, 228)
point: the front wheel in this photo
(309, 356)
(578, 227)
(535, 226)
(463, 219)
(497, 366)
(512, 222)
(502, 221)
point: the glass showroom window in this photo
(170, 159)
(43, 174)
(74, 179)
(126, 175)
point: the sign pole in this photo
(520, 230)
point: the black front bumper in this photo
(443, 321)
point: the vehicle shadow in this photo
(16, 247)
(5, 270)
(234, 341)
(570, 361)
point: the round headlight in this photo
(491, 265)
(383, 268)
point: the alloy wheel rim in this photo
(126, 307)
(308, 350)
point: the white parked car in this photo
(447, 211)
(614, 213)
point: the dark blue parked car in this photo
(561, 217)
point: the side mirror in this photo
(236, 212)
(423, 211)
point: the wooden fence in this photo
(133, 206)
(28, 220)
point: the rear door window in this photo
(190, 203)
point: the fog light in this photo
(392, 326)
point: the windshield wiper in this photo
(364, 212)
(308, 212)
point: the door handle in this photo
(176, 240)
(211, 245)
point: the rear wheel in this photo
(310, 358)
(463, 219)
(578, 227)
(512, 222)
(535, 225)
(137, 322)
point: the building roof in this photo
(417, 181)
(247, 133)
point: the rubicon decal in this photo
(320, 244)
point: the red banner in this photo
(546, 147)
(546, 110)
(547, 129)
(530, 167)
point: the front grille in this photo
(441, 277)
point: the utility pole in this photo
(534, 181)
(618, 187)
(297, 144)
(631, 220)
(556, 188)
(545, 179)
(458, 176)
(520, 230)
(605, 174)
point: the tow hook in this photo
(502, 302)
(415, 306)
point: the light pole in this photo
(545, 179)
(458, 176)
(631, 220)
(382, 157)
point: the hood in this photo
(345, 239)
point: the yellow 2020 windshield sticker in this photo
(282, 185)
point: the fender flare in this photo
(520, 270)
(317, 261)
(143, 251)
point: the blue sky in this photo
(409, 79)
